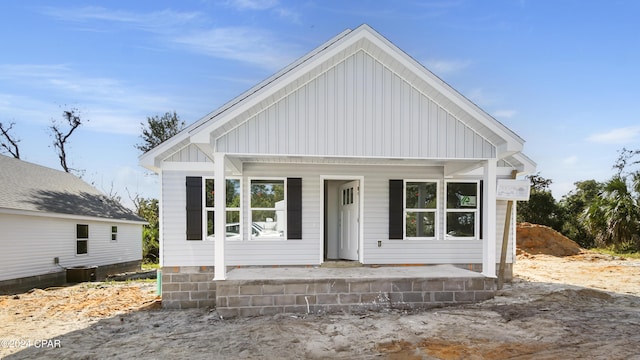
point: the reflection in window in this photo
(462, 209)
(82, 236)
(268, 209)
(232, 198)
(420, 209)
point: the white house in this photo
(51, 221)
(354, 152)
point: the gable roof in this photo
(34, 188)
(215, 132)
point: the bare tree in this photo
(72, 117)
(11, 144)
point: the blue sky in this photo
(561, 73)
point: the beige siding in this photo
(30, 244)
(357, 108)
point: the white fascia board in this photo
(508, 148)
(528, 166)
(446, 90)
(148, 162)
(68, 216)
(152, 159)
(220, 116)
(316, 57)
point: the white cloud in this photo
(446, 67)
(255, 46)
(249, 45)
(254, 4)
(504, 113)
(33, 93)
(619, 136)
(157, 21)
(481, 97)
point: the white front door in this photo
(349, 217)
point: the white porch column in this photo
(489, 219)
(219, 216)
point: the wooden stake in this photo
(505, 239)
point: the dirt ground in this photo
(580, 306)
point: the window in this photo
(461, 220)
(82, 236)
(114, 233)
(420, 210)
(232, 208)
(267, 209)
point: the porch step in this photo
(340, 264)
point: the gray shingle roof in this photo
(31, 187)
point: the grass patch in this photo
(150, 266)
(612, 252)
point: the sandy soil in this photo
(580, 306)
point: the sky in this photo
(562, 74)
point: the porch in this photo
(316, 290)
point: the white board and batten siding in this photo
(177, 251)
(359, 107)
(30, 244)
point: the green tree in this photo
(159, 129)
(147, 208)
(541, 208)
(574, 204)
(614, 217)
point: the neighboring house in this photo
(354, 152)
(51, 221)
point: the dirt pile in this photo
(535, 239)
(87, 300)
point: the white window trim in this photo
(114, 233)
(476, 225)
(437, 210)
(250, 209)
(206, 209)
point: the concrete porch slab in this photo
(314, 273)
(269, 291)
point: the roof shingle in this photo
(31, 187)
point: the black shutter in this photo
(194, 208)
(395, 209)
(481, 209)
(294, 208)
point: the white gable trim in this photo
(207, 130)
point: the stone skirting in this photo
(186, 287)
(242, 298)
(59, 278)
(103, 271)
(15, 286)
